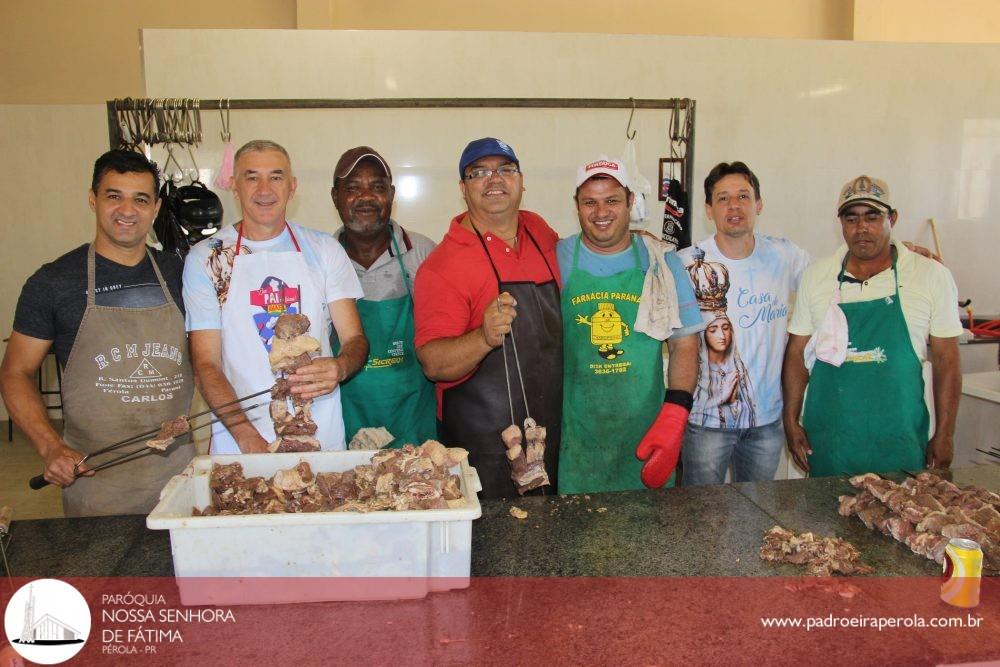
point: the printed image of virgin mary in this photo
(724, 395)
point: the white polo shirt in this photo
(927, 293)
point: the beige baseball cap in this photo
(865, 190)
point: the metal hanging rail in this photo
(433, 103)
(128, 104)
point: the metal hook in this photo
(226, 136)
(631, 136)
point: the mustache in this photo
(365, 205)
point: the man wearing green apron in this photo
(111, 312)
(391, 389)
(864, 321)
(620, 431)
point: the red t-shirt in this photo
(455, 283)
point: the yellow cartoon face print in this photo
(607, 330)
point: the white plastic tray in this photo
(337, 555)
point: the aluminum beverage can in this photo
(963, 570)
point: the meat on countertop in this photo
(822, 556)
(925, 511)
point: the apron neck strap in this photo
(635, 251)
(395, 250)
(239, 238)
(487, 251)
(159, 276)
(530, 238)
(895, 274)
(576, 251)
(91, 267)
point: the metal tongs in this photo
(526, 458)
(39, 481)
(994, 452)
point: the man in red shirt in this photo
(487, 317)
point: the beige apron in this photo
(128, 371)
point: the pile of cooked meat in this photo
(925, 512)
(291, 346)
(822, 556)
(527, 461)
(410, 478)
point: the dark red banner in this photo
(805, 621)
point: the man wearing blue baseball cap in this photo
(487, 316)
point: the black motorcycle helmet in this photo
(199, 211)
(188, 214)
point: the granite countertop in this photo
(697, 531)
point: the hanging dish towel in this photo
(830, 340)
(658, 311)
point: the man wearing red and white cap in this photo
(622, 296)
(864, 321)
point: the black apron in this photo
(475, 412)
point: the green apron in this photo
(869, 415)
(391, 389)
(612, 380)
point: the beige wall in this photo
(805, 19)
(87, 51)
(962, 21)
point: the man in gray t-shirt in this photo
(391, 389)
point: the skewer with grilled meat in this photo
(169, 431)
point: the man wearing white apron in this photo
(110, 311)
(238, 282)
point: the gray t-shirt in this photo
(383, 280)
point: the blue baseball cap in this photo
(485, 147)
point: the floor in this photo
(19, 462)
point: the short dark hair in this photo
(724, 169)
(125, 162)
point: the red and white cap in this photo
(603, 166)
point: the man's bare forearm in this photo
(794, 378)
(353, 355)
(947, 384)
(449, 359)
(25, 406)
(682, 369)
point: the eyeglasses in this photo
(506, 171)
(870, 217)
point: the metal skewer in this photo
(135, 438)
(39, 481)
(990, 453)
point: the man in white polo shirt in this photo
(865, 320)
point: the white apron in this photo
(263, 286)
